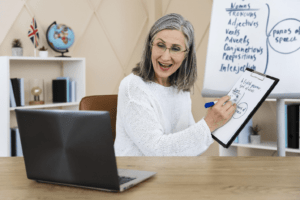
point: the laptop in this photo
(73, 148)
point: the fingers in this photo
(222, 100)
(218, 115)
(231, 110)
(228, 105)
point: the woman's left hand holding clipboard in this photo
(220, 113)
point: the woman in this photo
(154, 115)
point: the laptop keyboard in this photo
(124, 179)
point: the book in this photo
(11, 95)
(293, 126)
(286, 130)
(59, 91)
(19, 151)
(15, 141)
(16, 89)
(68, 87)
(13, 151)
(236, 139)
(22, 94)
(73, 91)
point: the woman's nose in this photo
(166, 55)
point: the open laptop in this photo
(73, 148)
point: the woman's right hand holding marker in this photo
(220, 114)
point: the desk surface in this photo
(185, 178)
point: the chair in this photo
(102, 102)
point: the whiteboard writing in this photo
(263, 35)
(236, 45)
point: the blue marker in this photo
(210, 104)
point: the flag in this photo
(33, 33)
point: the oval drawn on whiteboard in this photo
(284, 37)
(241, 109)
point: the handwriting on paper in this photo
(248, 85)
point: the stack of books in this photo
(17, 97)
(63, 90)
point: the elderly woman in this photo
(154, 115)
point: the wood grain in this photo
(233, 178)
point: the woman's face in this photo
(164, 62)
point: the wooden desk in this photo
(233, 178)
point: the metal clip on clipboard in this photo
(258, 75)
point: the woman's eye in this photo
(161, 45)
(176, 49)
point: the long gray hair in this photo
(186, 75)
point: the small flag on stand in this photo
(33, 34)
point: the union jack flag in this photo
(33, 33)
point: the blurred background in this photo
(110, 34)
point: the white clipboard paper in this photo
(249, 92)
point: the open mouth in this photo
(164, 66)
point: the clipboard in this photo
(249, 92)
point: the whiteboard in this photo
(263, 35)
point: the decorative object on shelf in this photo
(60, 38)
(255, 138)
(36, 87)
(33, 34)
(17, 49)
(43, 52)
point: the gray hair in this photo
(186, 75)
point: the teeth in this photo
(165, 66)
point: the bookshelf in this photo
(264, 145)
(267, 145)
(30, 68)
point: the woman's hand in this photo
(219, 114)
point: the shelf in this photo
(29, 68)
(285, 100)
(268, 145)
(263, 145)
(44, 59)
(292, 150)
(47, 105)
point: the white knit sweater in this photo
(154, 120)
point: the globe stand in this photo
(62, 54)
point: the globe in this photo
(60, 38)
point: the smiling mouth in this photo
(164, 66)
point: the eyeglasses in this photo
(174, 50)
